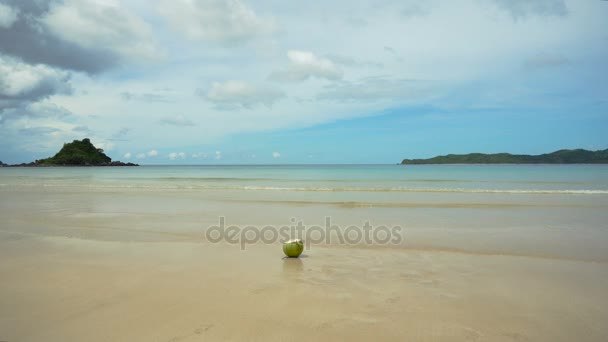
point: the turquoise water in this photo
(567, 179)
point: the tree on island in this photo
(578, 156)
(79, 153)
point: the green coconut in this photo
(293, 248)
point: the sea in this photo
(507, 179)
(549, 211)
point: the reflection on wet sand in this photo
(293, 265)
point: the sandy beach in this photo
(134, 265)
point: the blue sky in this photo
(211, 82)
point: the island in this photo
(77, 153)
(578, 156)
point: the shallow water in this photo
(542, 210)
(578, 179)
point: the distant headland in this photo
(578, 156)
(77, 153)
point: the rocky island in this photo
(77, 153)
(578, 156)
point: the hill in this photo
(78, 153)
(578, 156)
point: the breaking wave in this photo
(320, 188)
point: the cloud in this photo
(38, 110)
(21, 83)
(152, 153)
(52, 124)
(90, 36)
(304, 65)
(276, 155)
(140, 156)
(145, 97)
(240, 94)
(200, 155)
(220, 21)
(105, 145)
(38, 131)
(545, 60)
(352, 62)
(413, 9)
(8, 16)
(94, 24)
(178, 120)
(81, 128)
(378, 89)
(176, 155)
(520, 9)
(121, 134)
(356, 22)
(394, 53)
(127, 155)
(218, 155)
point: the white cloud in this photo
(104, 145)
(276, 155)
(23, 83)
(304, 65)
(380, 89)
(38, 131)
(178, 120)
(127, 155)
(353, 62)
(146, 96)
(176, 155)
(8, 16)
(81, 128)
(121, 134)
(416, 9)
(200, 155)
(218, 155)
(41, 110)
(220, 21)
(140, 156)
(523, 8)
(152, 153)
(240, 94)
(102, 25)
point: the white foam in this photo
(324, 189)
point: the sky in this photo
(316, 82)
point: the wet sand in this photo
(135, 266)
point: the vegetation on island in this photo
(78, 153)
(578, 156)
